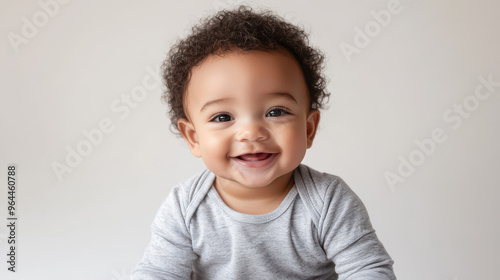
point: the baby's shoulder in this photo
(320, 185)
(328, 198)
(190, 188)
(188, 194)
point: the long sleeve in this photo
(349, 239)
(169, 254)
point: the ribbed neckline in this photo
(254, 219)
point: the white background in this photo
(441, 222)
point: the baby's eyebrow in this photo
(285, 95)
(221, 100)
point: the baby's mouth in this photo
(255, 157)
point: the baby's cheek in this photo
(295, 145)
(217, 145)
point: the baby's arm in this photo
(169, 253)
(349, 239)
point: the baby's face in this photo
(249, 116)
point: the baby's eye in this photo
(222, 118)
(276, 112)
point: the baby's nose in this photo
(252, 131)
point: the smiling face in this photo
(249, 117)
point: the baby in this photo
(244, 91)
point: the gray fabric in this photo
(321, 230)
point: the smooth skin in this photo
(248, 118)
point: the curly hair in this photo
(245, 30)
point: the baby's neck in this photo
(254, 201)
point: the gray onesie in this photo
(321, 230)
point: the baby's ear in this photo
(312, 126)
(187, 130)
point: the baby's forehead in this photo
(265, 54)
(256, 71)
(242, 66)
